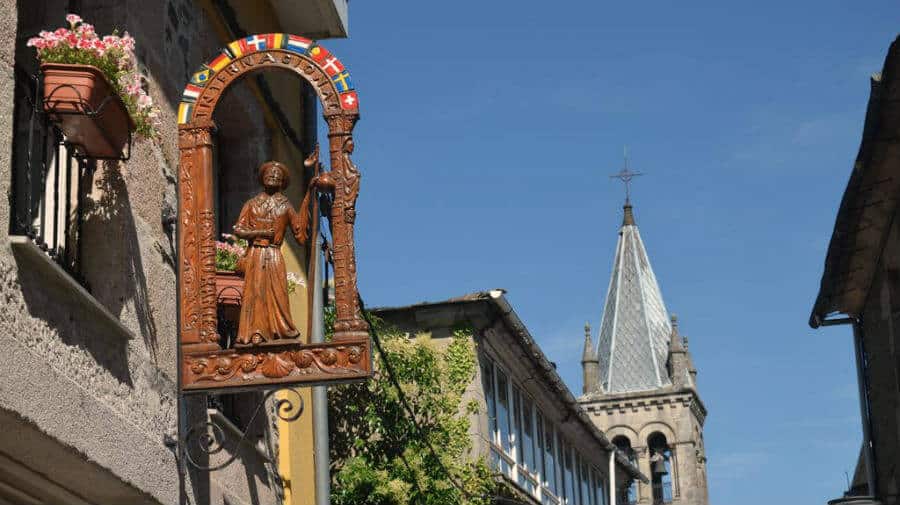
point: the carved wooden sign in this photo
(204, 364)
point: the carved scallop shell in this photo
(276, 365)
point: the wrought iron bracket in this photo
(208, 438)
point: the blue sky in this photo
(488, 133)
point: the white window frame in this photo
(517, 399)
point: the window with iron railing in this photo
(49, 183)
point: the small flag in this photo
(349, 100)
(277, 41)
(191, 93)
(184, 112)
(342, 82)
(256, 43)
(201, 76)
(319, 54)
(332, 66)
(238, 48)
(220, 61)
(297, 44)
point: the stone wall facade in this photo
(89, 402)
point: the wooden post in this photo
(196, 244)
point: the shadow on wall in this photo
(63, 310)
(255, 462)
(111, 254)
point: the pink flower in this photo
(144, 101)
(127, 42)
(87, 31)
(84, 44)
(73, 19)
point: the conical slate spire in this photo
(634, 334)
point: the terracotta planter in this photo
(84, 105)
(229, 288)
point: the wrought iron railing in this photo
(49, 183)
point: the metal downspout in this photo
(862, 382)
(864, 406)
(321, 454)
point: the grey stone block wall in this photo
(639, 415)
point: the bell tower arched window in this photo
(660, 468)
(624, 445)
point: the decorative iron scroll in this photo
(208, 439)
(205, 365)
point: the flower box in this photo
(93, 89)
(87, 109)
(229, 288)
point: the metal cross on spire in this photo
(625, 175)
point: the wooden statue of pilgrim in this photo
(264, 219)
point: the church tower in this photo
(640, 385)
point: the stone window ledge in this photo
(59, 277)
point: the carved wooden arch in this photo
(204, 364)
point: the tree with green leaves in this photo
(381, 455)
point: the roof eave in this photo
(867, 207)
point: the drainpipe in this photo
(320, 393)
(612, 477)
(864, 404)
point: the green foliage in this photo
(225, 260)
(370, 430)
(229, 252)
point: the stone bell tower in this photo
(640, 384)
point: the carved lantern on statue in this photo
(266, 351)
